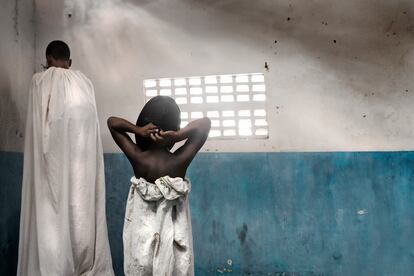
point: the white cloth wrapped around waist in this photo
(164, 187)
(157, 230)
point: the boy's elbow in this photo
(110, 122)
(207, 123)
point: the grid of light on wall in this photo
(236, 104)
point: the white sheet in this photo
(157, 229)
(63, 227)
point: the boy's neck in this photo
(158, 148)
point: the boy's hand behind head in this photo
(147, 130)
(165, 138)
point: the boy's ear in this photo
(49, 61)
(70, 62)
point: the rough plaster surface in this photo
(16, 69)
(339, 71)
(301, 214)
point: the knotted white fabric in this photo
(157, 229)
(63, 228)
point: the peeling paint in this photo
(266, 66)
(362, 212)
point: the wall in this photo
(296, 214)
(339, 77)
(16, 69)
(339, 80)
(11, 169)
(17, 50)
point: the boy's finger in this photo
(152, 136)
(150, 126)
(148, 132)
(158, 136)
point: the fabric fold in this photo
(157, 230)
(63, 228)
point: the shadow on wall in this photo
(338, 28)
(340, 71)
(329, 31)
(10, 121)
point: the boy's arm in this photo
(119, 129)
(196, 133)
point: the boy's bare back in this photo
(153, 159)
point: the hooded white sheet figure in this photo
(63, 228)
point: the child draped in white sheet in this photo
(62, 222)
(157, 229)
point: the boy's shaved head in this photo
(58, 54)
(58, 49)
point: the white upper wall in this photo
(16, 69)
(340, 74)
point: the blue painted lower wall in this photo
(11, 168)
(269, 213)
